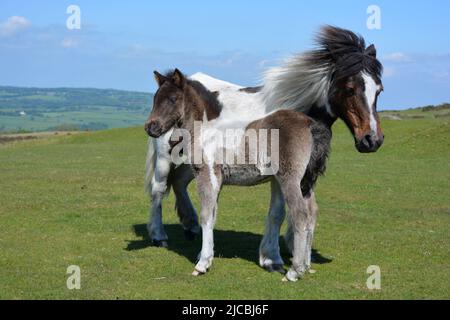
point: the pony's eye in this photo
(173, 99)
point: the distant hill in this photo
(71, 109)
(431, 111)
(40, 109)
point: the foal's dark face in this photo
(355, 101)
(167, 104)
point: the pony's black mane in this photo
(347, 51)
(209, 97)
(306, 81)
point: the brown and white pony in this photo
(339, 79)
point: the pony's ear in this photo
(371, 51)
(178, 78)
(160, 79)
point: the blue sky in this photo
(121, 43)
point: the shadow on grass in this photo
(227, 244)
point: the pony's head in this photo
(168, 103)
(355, 84)
(340, 78)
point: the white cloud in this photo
(14, 25)
(69, 43)
(397, 57)
(388, 72)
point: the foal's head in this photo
(355, 86)
(168, 103)
(178, 100)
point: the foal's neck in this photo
(200, 103)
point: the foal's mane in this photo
(305, 80)
(209, 98)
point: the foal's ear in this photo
(178, 79)
(371, 51)
(160, 79)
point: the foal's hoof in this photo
(160, 243)
(275, 268)
(190, 235)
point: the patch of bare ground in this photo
(17, 137)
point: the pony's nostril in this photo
(368, 141)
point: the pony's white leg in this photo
(269, 250)
(209, 193)
(159, 188)
(180, 179)
(299, 216)
(155, 225)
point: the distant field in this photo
(36, 109)
(79, 200)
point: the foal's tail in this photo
(321, 135)
(150, 164)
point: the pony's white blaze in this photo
(371, 94)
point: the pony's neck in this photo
(320, 114)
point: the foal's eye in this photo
(350, 92)
(173, 99)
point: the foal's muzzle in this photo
(153, 128)
(369, 143)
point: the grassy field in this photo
(79, 200)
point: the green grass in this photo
(79, 200)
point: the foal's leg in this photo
(209, 193)
(269, 250)
(313, 211)
(180, 179)
(299, 215)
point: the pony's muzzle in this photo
(153, 128)
(369, 143)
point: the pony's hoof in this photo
(279, 268)
(275, 268)
(312, 271)
(190, 235)
(197, 273)
(160, 243)
(291, 276)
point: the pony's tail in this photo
(150, 164)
